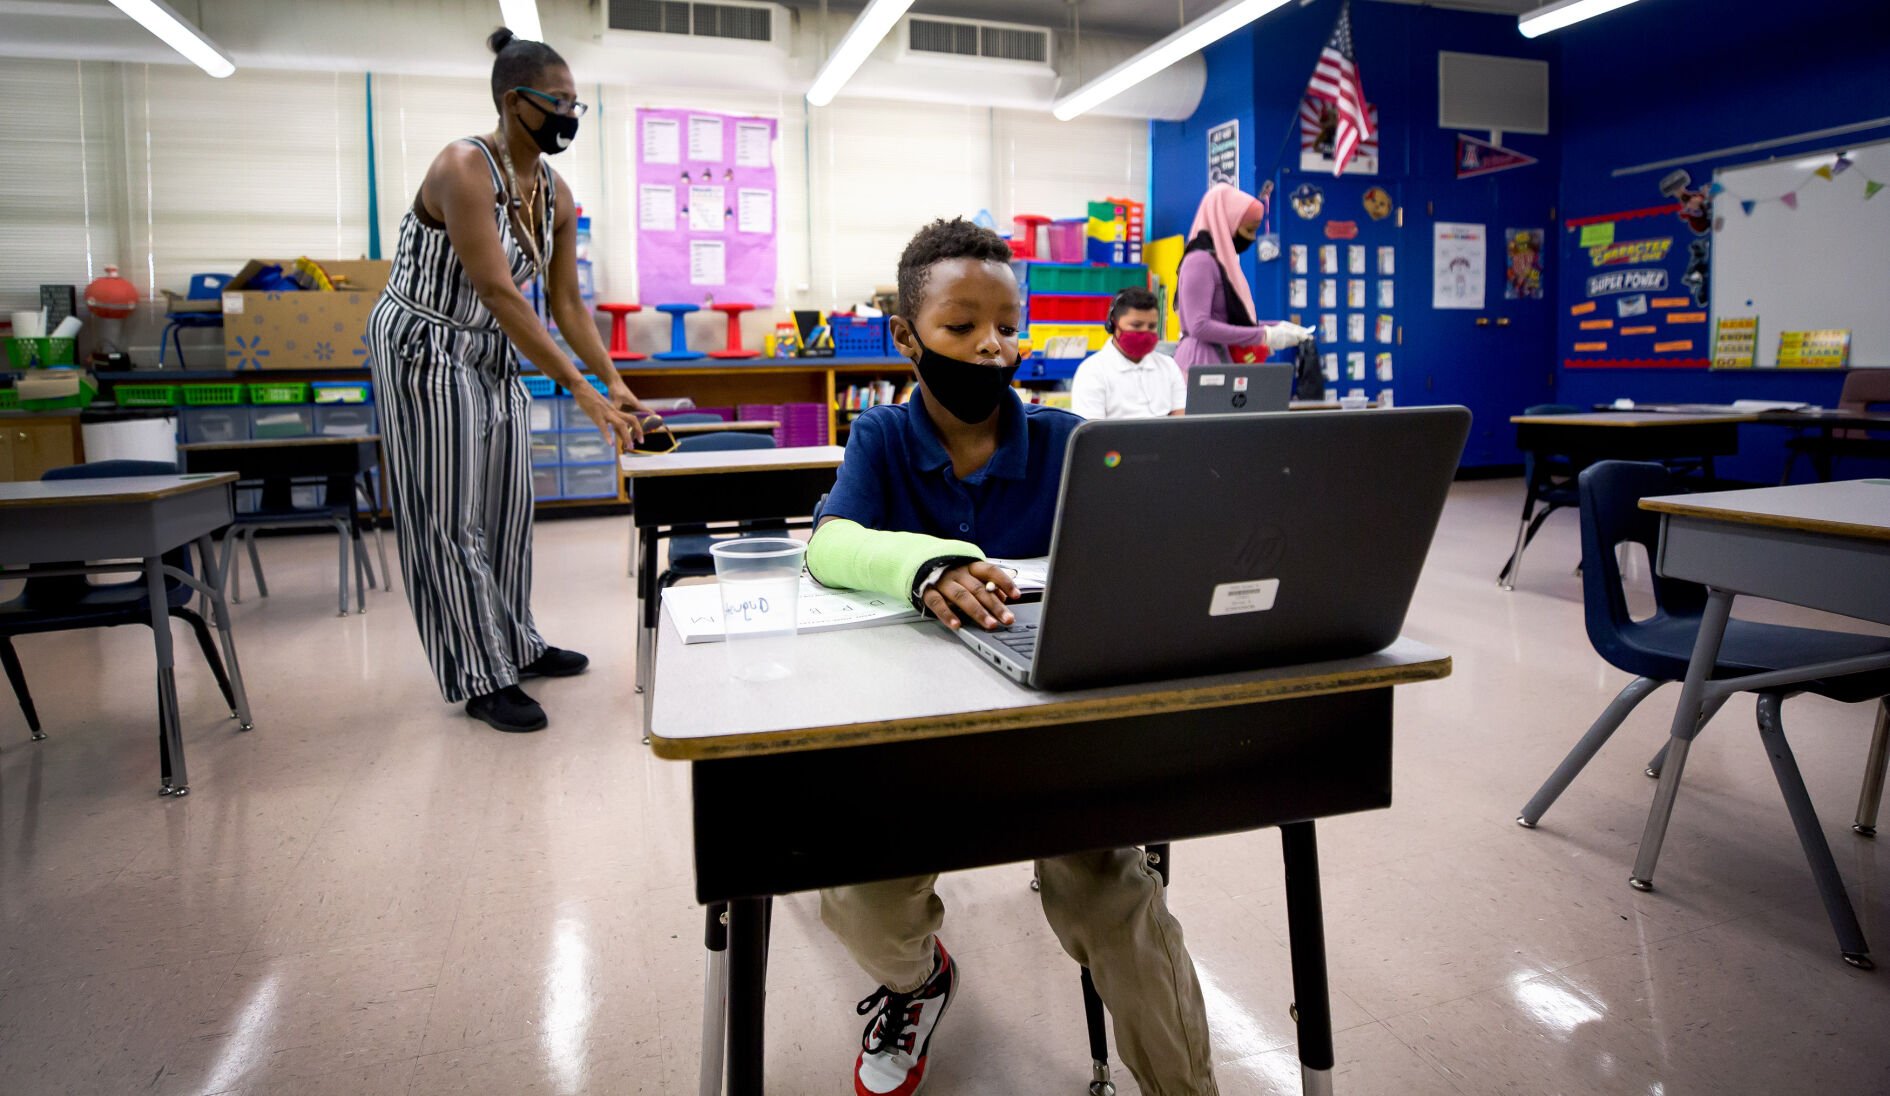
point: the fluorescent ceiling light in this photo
(522, 17)
(862, 38)
(1558, 15)
(160, 19)
(1191, 39)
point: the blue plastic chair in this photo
(689, 555)
(1548, 479)
(203, 287)
(1656, 650)
(63, 603)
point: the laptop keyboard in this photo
(1019, 639)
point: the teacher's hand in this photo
(620, 429)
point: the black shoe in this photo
(555, 662)
(508, 709)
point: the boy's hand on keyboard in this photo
(975, 592)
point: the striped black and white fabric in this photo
(455, 429)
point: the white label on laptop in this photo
(1240, 384)
(1213, 380)
(1255, 596)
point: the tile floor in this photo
(371, 894)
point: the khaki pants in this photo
(1108, 912)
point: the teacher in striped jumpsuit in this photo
(444, 340)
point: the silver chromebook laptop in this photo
(1197, 546)
(1233, 389)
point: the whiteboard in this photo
(1825, 264)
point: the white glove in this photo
(1285, 336)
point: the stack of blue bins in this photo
(570, 459)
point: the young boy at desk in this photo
(1128, 378)
(928, 491)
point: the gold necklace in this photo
(520, 206)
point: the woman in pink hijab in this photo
(1211, 294)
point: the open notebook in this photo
(697, 610)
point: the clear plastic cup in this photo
(760, 580)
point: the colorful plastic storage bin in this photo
(278, 392)
(1068, 308)
(216, 424)
(211, 395)
(1067, 239)
(331, 392)
(589, 481)
(859, 337)
(1042, 333)
(41, 353)
(540, 387)
(801, 424)
(145, 395)
(1069, 278)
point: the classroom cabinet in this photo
(30, 446)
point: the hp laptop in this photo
(1228, 389)
(1197, 546)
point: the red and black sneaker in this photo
(899, 1035)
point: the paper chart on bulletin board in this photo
(1337, 274)
(1635, 291)
(706, 207)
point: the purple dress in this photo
(1202, 303)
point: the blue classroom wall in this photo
(1669, 78)
(1258, 75)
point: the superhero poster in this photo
(1523, 282)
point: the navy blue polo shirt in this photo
(897, 477)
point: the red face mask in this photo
(1136, 345)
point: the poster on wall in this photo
(1318, 123)
(1523, 248)
(706, 199)
(1223, 154)
(1458, 264)
(1643, 273)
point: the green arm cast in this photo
(846, 555)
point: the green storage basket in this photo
(1049, 278)
(41, 353)
(212, 395)
(9, 400)
(350, 392)
(88, 388)
(145, 395)
(279, 392)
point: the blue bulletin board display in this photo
(1636, 291)
(1339, 272)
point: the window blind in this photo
(57, 217)
(262, 165)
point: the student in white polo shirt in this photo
(1128, 378)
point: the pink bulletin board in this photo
(707, 207)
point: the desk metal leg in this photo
(1871, 795)
(206, 550)
(649, 606)
(747, 993)
(176, 777)
(714, 999)
(1305, 924)
(1506, 578)
(1687, 718)
(1824, 870)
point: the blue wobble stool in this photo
(678, 337)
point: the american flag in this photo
(1335, 80)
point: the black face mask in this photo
(555, 131)
(969, 391)
(1241, 243)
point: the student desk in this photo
(278, 462)
(1820, 545)
(139, 517)
(701, 489)
(1029, 774)
(1586, 438)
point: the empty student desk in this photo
(1822, 545)
(139, 517)
(740, 426)
(1038, 774)
(706, 488)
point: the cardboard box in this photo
(302, 330)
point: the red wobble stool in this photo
(734, 348)
(620, 331)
